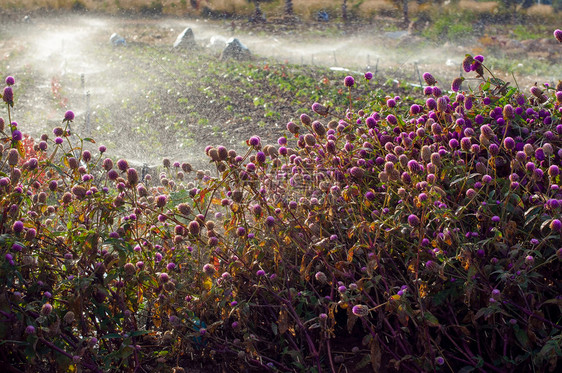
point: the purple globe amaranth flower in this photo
(558, 35)
(509, 143)
(17, 135)
(349, 81)
(539, 154)
(556, 225)
(479, 58)
(368, 75)
(254, 141)
(431, 103)
(390, 118)
(68, 116)
(428, 91)
(415, 109)
(261, 157)
(413, 220)
(357, 172)
(437, 92)
(11, 81)
(429, 79)
(30, 329)
(8, 96)
(123, 165)
(17, 227)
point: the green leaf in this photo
(522, 337)
(112, 336)
(430, 318)
(138, 332)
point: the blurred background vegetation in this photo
(304, 10)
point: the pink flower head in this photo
(349, 81)
(68, 116)
(558, 35)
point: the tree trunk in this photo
(344, 11)
(258, 14)
(289, 7)
(405, 12)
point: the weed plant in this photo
(399, 236)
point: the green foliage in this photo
(452, 27)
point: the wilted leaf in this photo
(283, 321)
(376, 354)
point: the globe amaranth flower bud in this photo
(321, 277)
(46, 309)
(194, 228)
(13, 157)
(456, 84)
(536, 91)
(556, 225)
(132, 176)
(319, 128)
(209, 269)
(161, 200)
(429, 79)
(467, 62)
(320, 109)
(442, 104)
(508, 112)
(8, 96)
(360, 310)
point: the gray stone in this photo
(235, 49)
(396, 34)
(117, 40)
(185, 39)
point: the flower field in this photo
(378, 233)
